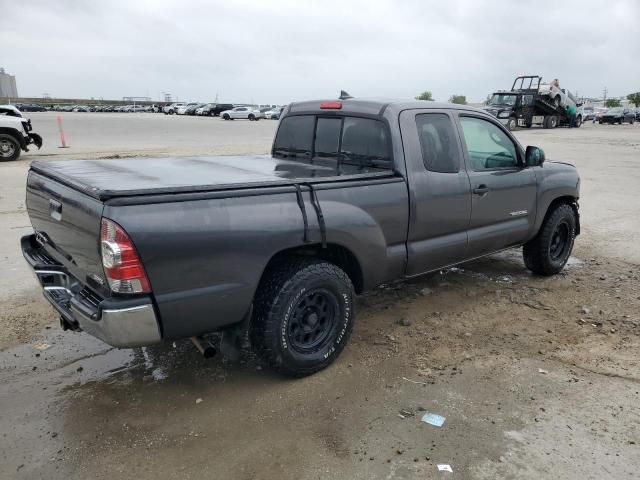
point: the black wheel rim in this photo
(313, 321)
(559, 242)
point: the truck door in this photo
(503, 205)
(440, 195)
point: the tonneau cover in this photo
(105, 179)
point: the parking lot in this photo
(537, 377)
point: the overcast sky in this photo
(271, 51)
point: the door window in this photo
(488, 147)
(438, 142)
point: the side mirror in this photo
(534, 156)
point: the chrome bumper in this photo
(124, 327)
(133, 323)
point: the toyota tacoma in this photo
(271, 250)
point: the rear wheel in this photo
(252, 117)
(9, 148)
(578, 121)
(556, 101)
(303, 315)
(548, 252)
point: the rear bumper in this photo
(120, 322)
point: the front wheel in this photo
(252, 117)
(9, 148)
(303, 315)
(512, 124)
(226, 116)
(547, 253)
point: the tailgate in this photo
(67, 222)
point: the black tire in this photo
(578, 121)
(226, 116)
(556, 101)
(251, 117)
(9, 148)
(512, 124)
(171, 112)
(547, 253)
(620, 122)
(553, 121)
(303, 315)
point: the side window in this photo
(487, 146)
(365, 143)
(438, 142)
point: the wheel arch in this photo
(15, 134)
(566, 200)
(337, 254)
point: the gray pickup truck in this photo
(270, 250)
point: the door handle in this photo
(481, 190)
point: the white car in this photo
(182, 110)
(558, 96)
(273, 114)
(15, 134)
(171, 109)
(10, 111)
(249, 113)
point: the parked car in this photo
(355, 193)
(249, 113)
(638, 114)
(587, 112)
(217, 108)
(273, 114)
(183, 109)
(618, 115)
(32, 107)
(171, 109)
(81, 108)
(16, 134)
(191, 110)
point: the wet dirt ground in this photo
(538, 378)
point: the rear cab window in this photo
(346, 144)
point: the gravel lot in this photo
(537, 377)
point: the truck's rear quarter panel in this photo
(205, 257)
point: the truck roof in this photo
(375, 106)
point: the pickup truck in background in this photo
(272, 249)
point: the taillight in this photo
(121, 264)
(330, 106)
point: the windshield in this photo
(503, 99)
(614, 110)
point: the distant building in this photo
(7, 85)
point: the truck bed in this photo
(107, 179)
